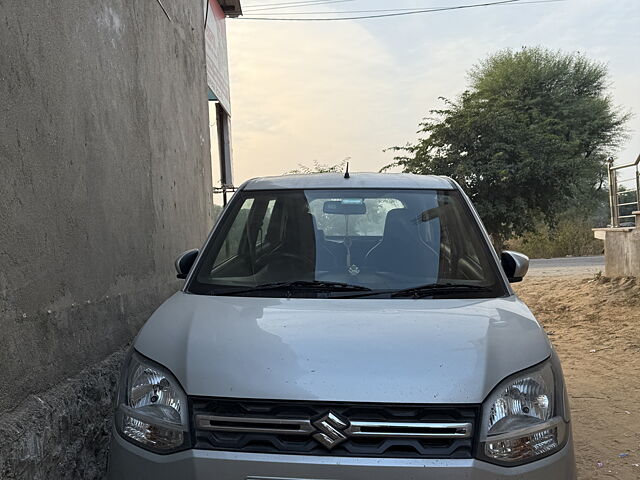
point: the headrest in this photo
(300, 230)
(399, 222)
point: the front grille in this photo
(335, 429)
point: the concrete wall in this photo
(621, 249)
(622, 253)
(105, 177)
(63, 433)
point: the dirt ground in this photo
(594, 324)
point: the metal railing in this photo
(224, 189)
(624, 196)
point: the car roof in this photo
(355, 180)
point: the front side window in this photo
(348, 244)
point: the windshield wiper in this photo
(316, 285)
(424, 290)
(438, 289)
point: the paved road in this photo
(555, 267)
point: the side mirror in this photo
(185, 261)
(515, 265)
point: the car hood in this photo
(355, 350)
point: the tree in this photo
(529, 136)
(320, 168)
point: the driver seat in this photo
(401, 251)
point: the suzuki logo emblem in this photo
(331, 430)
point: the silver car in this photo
(338, 328)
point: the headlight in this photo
(526, 417)
(152, 408)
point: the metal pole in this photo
(637, 189)
(616, 211)
(613, 200)
(224, 150)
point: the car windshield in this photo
(348, 243)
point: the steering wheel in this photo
(289, 261)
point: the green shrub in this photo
(569, 237)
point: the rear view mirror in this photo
(515, 265)
(185, 261)
(347, 206)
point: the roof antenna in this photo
(346, 173)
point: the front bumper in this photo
(128, 462)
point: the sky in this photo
(324, 91)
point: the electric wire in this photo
(387, 10)
(293, 5)
(387, 15)
(253, 5)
